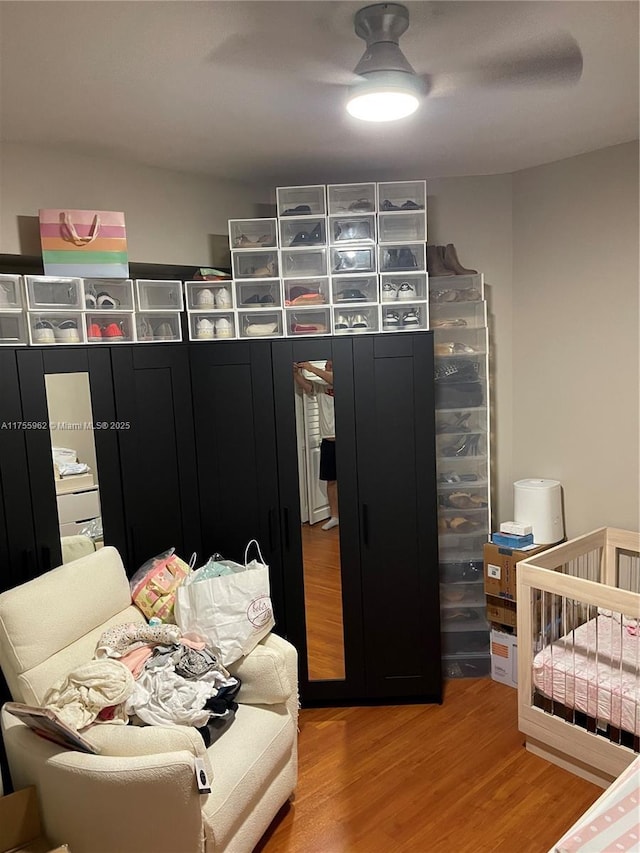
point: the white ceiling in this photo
(247, 90)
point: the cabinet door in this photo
(395, 432)
(236, 454)
(99, 429)
(17, 534)
(153, 404)
(323, 600)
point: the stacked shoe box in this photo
(159, 305)
(13, 330)
(458, 317)
(55, 310)
(314, 270)
(109, 310)
(402, 232)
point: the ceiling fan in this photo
(387, 87)
(311, 49)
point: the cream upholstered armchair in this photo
(139, 795)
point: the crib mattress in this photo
(595, 669)
(613, 821)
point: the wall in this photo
(576, 333)
(170, 215)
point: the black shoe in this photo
(387, 205)
(411, 205)
(316, 235)
(301, 239)
(300, 210)
(351, 296)
(406, 259)
(392, 259)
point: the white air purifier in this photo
(539, 503)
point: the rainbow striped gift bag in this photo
(84, 243)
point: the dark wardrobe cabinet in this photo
(202, 457)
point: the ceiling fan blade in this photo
(556, 60)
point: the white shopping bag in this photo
(233, 612)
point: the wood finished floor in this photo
(450, 778)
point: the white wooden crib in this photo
(579, 653)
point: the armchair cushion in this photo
(264, 676)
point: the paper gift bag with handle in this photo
(233, 611)
(84, 243)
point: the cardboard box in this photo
(500, 568)
(20, 827)
(502, 611)
(504, 658)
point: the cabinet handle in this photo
(285, 516)
(365, 524)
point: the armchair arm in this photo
(139, 804)
(269, 674)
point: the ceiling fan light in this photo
(384, 96)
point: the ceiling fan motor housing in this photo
(381, 26)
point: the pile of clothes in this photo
(149, 674)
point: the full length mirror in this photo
(320, 516)
(74, 465)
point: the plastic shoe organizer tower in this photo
(48, 310)
(337, 259)
(458, 318)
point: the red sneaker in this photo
(94, 332)
(113, 331)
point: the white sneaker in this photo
(390, 320)
(223, 328)
(406, 291)
(342, 322)
(43, 332)
(204, 329)
(67, 332)
(204, 298)
(359, 322)
(389, 292)
(223, 298)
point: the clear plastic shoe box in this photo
(351, 198)
(218, 326)
(152, 295)
(158, 327)
(409, 257)
(307, 322)
(13, 329)
(456, 289)
(259, 324)
(354, 289)
(254, 263)
(346, 230)
(261, 295)
(109, 328)
(209, 295)
(352, 319)
(54, 293)
(402, 227)
(304, 263)
(108, 294)
(60, 327)
(403, 287)
(354, 259)
(303, 233)
(303, 292)
(301, 201)
(402, 196)
(404, 317)
(253, 234)
(11, 293)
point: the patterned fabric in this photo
(122, 639)
(612, 823)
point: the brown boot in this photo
(451, 261)
(435, 265)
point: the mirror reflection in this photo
(316, 439)
(74, 465)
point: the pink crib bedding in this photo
(613, 821)
(595, 669)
